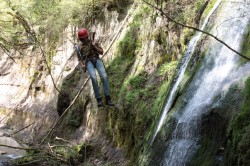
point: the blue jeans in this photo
(102, 72)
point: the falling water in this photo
(209, 81)
(186, 58)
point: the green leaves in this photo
(48, 19)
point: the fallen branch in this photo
(22, 129)
(14, 147)
(54, 146)
(196, 29)
(50, 148)
(58, 157)
(47, 65)
(9, 135)
(6, 52)
(61, 139)
(31, 163)
(9, 84)
(6, 115)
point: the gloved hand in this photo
(84, 68)
(83, 65)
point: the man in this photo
(88, 55)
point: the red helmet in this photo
(82, 33)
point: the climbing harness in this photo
(79, 54)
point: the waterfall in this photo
(186, 58)
(209, 81)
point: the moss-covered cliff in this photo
(222, 127)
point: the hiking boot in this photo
(109, 101)
(99, 102)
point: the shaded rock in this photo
(6, 161)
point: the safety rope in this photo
(92, 17)
(85, 145)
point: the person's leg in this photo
(102, 72)
(92, 74)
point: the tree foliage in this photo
(22, 21)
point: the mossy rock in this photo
(238, 136)
(85, 152)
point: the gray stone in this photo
(6, 161)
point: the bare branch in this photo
(14, 147)
(57, 156)
(30, 31)
(22, 129)
(61, 139)
(16, 14)
(6, 52)
(47, 65)
(14, 109)
(31, 163)
(196, 29)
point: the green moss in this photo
(39, 158)
(117, 72)
(135, 113)
(130, 43)
(245, 44)
(208, 8)
(161, 96)
(74, 118)
(160, 36)
(140, 96)
(67, 152)
(125, 52)
(195, 64)
(141, 103)
(140, 99)
(134, 89)
(62, 154)
(167, 69)
(204, 153)
(69, 89)
(239, 133)
(186, 36)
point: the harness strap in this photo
(79, 54)
(92, 59)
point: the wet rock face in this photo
(11, 84)
(102, 152)
(6, 161)
(214, 128)
(69, 88)
(27, 87)
(8, 154)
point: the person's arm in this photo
(83, 65)
(97, 48)
(81, 58)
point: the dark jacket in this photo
(88, 52)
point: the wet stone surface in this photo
(6, 161)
